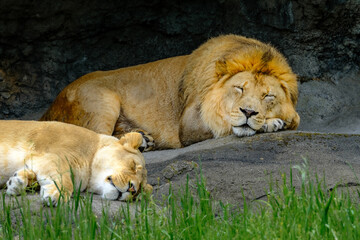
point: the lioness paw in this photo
(49, 194)
(148, 141)
(15, 185)
(273, 125)
(148, 188)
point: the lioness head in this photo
(252, 87)
(118, 171)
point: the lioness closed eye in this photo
(229, 85)
(47, 152)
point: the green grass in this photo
(310, 212)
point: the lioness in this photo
(50, 152)
(230, 84)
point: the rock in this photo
(332, 107)
(307, 65)
(5, 95)
(177, 168)
(232, 166)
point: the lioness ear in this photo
(139, 169)
(132, 139)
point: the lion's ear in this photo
(132, 139)
(289, 85)
(139, 169)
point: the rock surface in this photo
(233, 164)
(330, 107)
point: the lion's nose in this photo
(248, 112)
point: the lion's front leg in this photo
(273, 125)
(148, 141)
(50, 193)
(19, 181)
(54, 177)
(54, 187)
(124, 126)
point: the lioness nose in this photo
(248, 112)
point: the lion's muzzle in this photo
(243, 131)
(248, 112)
(247, 122)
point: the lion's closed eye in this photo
(239, 89)
(269, 97)
(109, 179)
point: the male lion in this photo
(56, 155)
(230, 84)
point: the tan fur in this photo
(47, 152)
(186, 99)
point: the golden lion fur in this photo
(185, 99)
(47, 152)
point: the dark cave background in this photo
(45, 45)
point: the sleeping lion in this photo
(229, 85)
(56, 155)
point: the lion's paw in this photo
(49, 194)
(148, 188)
(148, 141)
(273, 125)
(15, 185)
